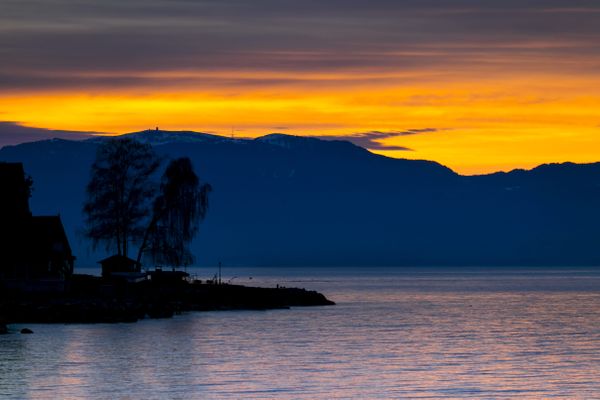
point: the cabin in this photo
(35, 254)
(118, 263)
(119, 268)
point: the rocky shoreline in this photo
(90, 299)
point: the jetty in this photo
(91, 299)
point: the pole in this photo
(219, 272)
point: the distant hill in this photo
(284, 200)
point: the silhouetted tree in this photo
(178, 210)
(120, 193)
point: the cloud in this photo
(12, 133)
(372, 140)
(113, 43)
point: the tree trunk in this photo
(151, 226)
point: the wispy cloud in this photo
(372, 140)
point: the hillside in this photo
(294, 201)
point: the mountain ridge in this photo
(157, 137)
(331, 203)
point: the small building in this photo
(118, 264)
(159, 276)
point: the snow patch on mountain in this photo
(283, 140)
(157, 137)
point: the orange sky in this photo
(486, 87)
(483, 125)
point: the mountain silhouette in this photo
(282, 200)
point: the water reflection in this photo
(393, 333)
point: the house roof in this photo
(117, 258)
(47, 237)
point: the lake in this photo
(430, 333)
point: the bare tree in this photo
(178, 210)
(120, 193)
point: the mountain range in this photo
(282, 200)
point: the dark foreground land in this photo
(90, 299)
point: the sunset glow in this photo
(300, 199)
(497, 99)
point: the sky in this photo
(479, 86)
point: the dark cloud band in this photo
(57, 44)
(14, 133)
(372, 140)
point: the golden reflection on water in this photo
(392, 335)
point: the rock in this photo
(26, 331)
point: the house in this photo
(119, 265)
(35, 254)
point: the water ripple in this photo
(435, 334)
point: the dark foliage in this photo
(178, 210)
(120, 193)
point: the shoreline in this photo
(90, 299)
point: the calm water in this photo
(395, 333)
